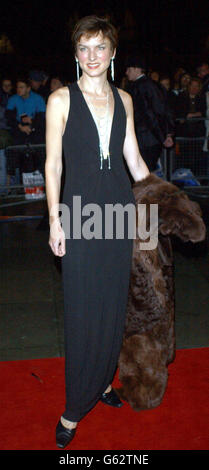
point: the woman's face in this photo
(94, 54)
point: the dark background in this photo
(171, 33)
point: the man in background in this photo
(203, 74)
(5, 137)
(39, 81)
(153, 125)
(25, 113)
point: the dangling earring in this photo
(77, 69)
(112, 69)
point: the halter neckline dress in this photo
(95, 271)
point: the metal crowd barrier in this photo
(188, 159)
(186, 165)
(25, 174)
(188, 153)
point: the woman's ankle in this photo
(68, 424)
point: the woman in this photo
(94, 121)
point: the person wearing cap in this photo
(152, 125)
(39, 81)
(36, 78)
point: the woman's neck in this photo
(94, 85)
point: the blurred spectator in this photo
(152, 125)
(5, 137)
(44, 89)
(184, 81)
(36, 78)
(177, 74)
(55, 83)
(191, 104)
(206, 146)
(124, 83)
(25, 114)
(203, 74)
(5, 93)
(39, 81)
(165, 81)
(170, 97)
(191, 109)
(154, 75)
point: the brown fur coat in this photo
(149, 337)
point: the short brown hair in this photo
(92, 26)
(196, 79)
(24, 80)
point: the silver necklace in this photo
(102, 128)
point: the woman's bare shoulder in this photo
(59, 97)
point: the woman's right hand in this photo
(57, 239)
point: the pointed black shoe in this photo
(111, 398)
(64, 435)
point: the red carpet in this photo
(32, 399)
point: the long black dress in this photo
(95, 271)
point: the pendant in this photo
(109, 166)
(102, 158)
(101, 161)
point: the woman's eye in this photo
(101, 47)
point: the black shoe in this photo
(111, 398)
(64, 435)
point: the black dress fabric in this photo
(95, 271)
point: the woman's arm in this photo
(55, 121)
(135, 162)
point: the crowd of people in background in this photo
(187, 95)
(170, 113)
(23, 105)
(188, 98)
(22, 118)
